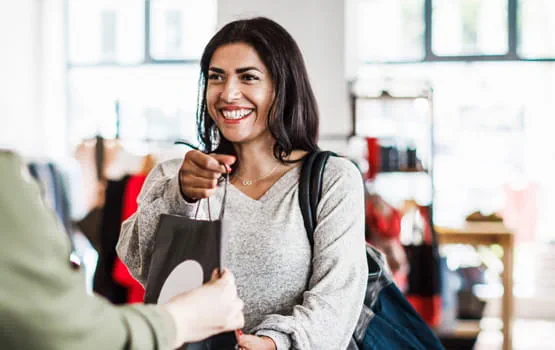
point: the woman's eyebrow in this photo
(246, 69)
(238, 70)
(217, 70)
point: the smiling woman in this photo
(257, 119)
(239, 93)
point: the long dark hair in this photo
(293, 118)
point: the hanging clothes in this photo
(110, 226)
(424, 284)
(41, 172)
(382, 218)
(383, 227)
(54, 190)
(61, 197)
(373, 157)
(135, 291)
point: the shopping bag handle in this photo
(222, 210)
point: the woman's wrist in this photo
(183, 195)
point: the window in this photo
(470, 27)
(391, 30)
(407, 31)
(106, 31)
(138, 31)
(180, 29)
(133, 67)
(537, 28)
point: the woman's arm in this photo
(160, 195)
(331, 306)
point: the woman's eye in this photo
(249, 77)
(215, 77)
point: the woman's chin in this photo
(234, 137)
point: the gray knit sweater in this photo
(300, 300)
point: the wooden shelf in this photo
(464, 329)
(486, 233)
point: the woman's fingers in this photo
(225, 159)
(198, 182)
(192, 168)
(199, 173)
(212, 162)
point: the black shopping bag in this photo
(190, 244)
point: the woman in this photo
(257, 120)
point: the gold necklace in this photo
(246, 182)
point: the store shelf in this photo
(466, 329)
(463, 336)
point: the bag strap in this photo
(222, 209)
(310, 188)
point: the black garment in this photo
(110, 227)
(90, 226)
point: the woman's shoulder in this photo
(341, 167)
(342, 177)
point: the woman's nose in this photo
(231, 91)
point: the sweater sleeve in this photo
(43, 300)
(331, 305)
(160, 195)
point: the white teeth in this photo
(236, 114)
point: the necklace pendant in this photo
(247, 182)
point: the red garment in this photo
(374, 165)
(382, 219)
(132, 190)
(429, 308)
(135, 291)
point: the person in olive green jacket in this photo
(43, 302)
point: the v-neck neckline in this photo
(275, 186)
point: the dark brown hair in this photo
(293, 118)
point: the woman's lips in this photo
(230, 120)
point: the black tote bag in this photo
(180, 240)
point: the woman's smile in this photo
(235, 114)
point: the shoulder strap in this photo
(310, 188)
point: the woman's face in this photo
(239, 93)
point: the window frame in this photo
(512, 39)
(147, 58)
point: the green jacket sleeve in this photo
(43, 302)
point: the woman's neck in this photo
(256, 160)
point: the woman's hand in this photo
(254, 342)
(199, 173)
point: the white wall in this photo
(19, 35)
(32, 102)
(52, 80)
(318, 26)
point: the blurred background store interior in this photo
(467, 85)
